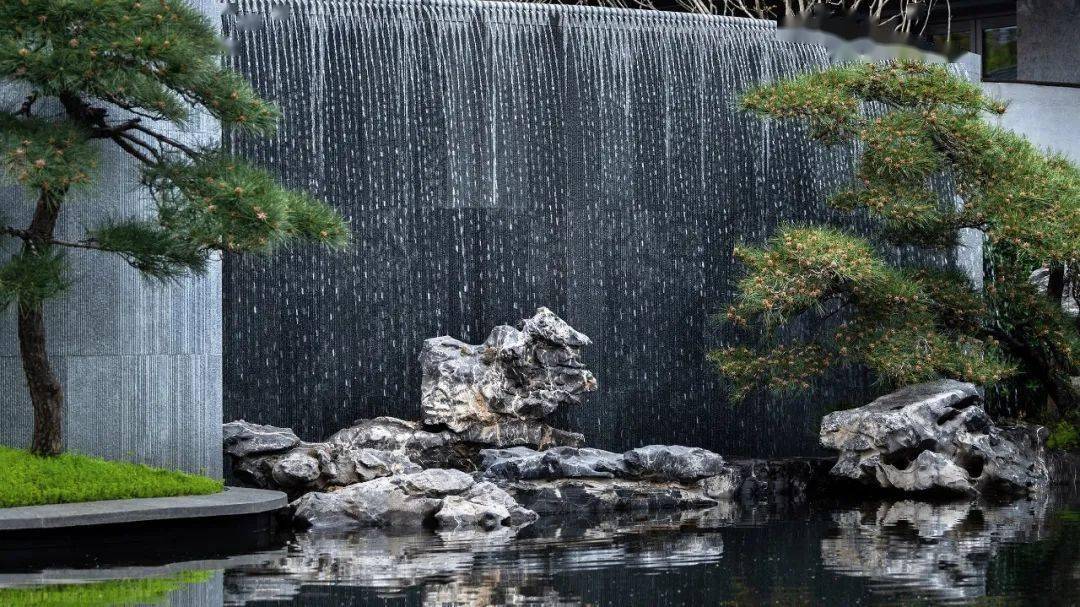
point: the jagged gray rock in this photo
(428, 449)
(519, 433)
(565, 479)
(521, 463)
(484, 505)
(673, 462)
(274, 458)
(241, 439)
(447, 449)
(724, 485)
(654, 462)
(604, 495)
(522, 374)
(934, 436)
(412, 501)
(358, 465)
(295, 469)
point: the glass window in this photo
(999, 53)
(959, 42)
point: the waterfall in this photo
(493, 157)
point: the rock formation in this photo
(656, 477)
(274, 458)
(448, 499)
(482, 457)
(934, 436)
(504, 386)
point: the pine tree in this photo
(918, 126)
(112, 72)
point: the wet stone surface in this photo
(935, 436)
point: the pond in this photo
(857, 553)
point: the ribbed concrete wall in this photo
(1047, 115)
(140, 362)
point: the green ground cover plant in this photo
(31, 480)
(113, 593)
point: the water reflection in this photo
(942, 550)
(476, 568)
(880, 552)
(876, 552)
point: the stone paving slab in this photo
(230, 502)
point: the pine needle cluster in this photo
(917, 125)
(119, 70)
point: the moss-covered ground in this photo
(29, 480)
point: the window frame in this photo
(975, 27)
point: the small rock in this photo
(558, 462)
(589, 495)
(433, 497)
(365, 464)
(243, 439)
(673, 462)
(427, 449)
(296, 469)
(483, 506)
(435, 482)
(519, 432)
(404, 500)
(723, 486)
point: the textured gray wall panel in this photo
(140, 362)
(1049, 44)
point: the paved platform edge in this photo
(233, 501)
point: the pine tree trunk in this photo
(1055, 285)
(45, 391)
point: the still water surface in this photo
(861, 553)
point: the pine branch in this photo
(107, 131)
(28, 236)
(191, 152)
(131, 150)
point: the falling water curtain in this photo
(494, 157)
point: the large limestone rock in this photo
(412, 501)
(516, 374)
(934, 436)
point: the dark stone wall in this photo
(1049, 45)
(492, 159)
